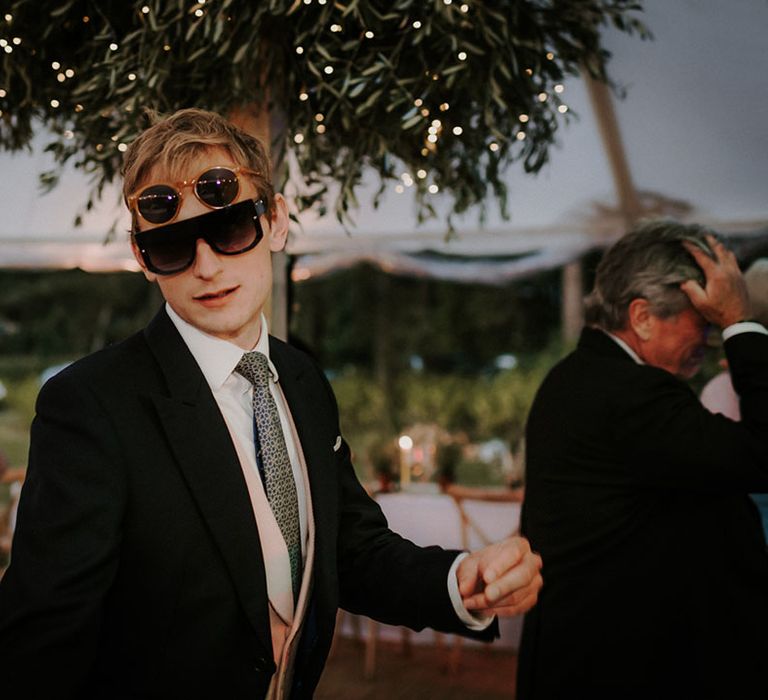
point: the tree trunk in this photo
(572, 307)
(268, 125)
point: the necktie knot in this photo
(254, 366)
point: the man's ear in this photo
(278, 224)
(641, 320)
(151, 276)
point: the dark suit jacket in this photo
(137, 570)
(655, 568)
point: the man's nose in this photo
(207, 262)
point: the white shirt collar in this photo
(625, 347)
(217, 358)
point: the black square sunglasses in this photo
(231, 230)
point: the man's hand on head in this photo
(501, 579)
(723, 300)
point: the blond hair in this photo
(172, 142)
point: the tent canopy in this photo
(692, 126)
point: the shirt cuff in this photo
(472, 621)
(743, 327)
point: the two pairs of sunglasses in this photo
(231, 229)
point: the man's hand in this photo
(502, 579)
(724, 299)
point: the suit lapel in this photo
(202, 445)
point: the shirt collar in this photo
(623, 345)
(217, 358)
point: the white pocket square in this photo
(337, 444)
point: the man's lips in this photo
(216, 297)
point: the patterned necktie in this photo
(272, 458)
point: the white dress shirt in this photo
(217, 360)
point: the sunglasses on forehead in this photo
(231, 230)
(215, 187)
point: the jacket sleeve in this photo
(66, 546)
(381, 574)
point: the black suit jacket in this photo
(136, 569)
(655, 567)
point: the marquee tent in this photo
(691, 128)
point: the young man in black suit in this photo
(191, 521)
(636, 496)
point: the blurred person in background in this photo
(718, 395)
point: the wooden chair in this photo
(460, 495)
(472, 536)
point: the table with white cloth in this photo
(428, 518)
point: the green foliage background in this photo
(349, 84)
